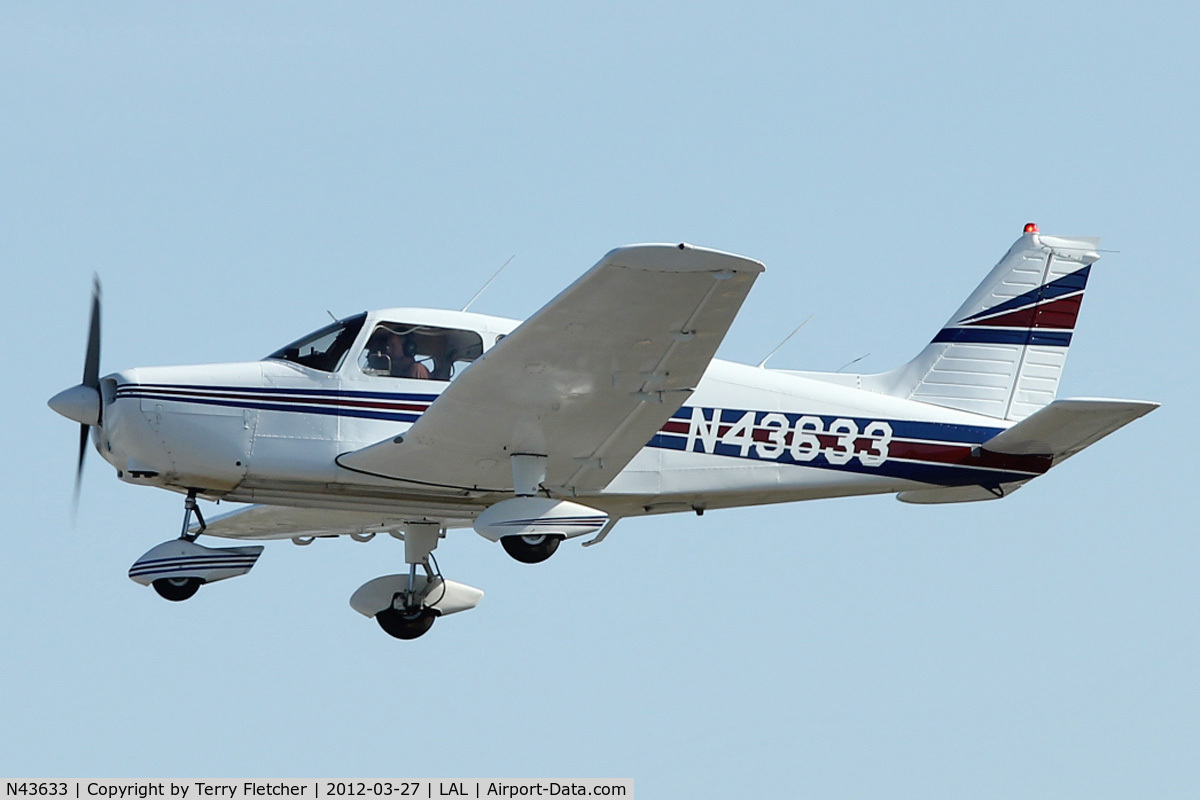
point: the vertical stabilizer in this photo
(1002, 353)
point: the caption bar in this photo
(311, 790)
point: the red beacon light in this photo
(1030, 227)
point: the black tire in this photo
(531, 549)
(405, 624)
(177, 589)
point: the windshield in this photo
(324, 349)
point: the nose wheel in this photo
(177, 589)
(179, 567)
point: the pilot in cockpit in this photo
(398, 353)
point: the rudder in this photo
(1003, 351)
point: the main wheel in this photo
(177, 589)
(405, 624)
(531, 549)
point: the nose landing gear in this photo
(176, 589)
(179, 567)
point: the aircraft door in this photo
(295, 435)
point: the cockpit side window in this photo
(420, 352)
(324, 349)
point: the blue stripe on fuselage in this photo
(928, 433)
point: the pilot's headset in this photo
(378, 340)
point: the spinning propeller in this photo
(82, 403)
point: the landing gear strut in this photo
(183, 588)
(179, 567)
(189, 508)
(409, 616)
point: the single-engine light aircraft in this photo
(607, 403)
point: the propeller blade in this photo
(91, 363)
(91, 379)
(83, 441)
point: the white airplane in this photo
(605, 404)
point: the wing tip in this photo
(680, 257)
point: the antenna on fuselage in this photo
(762, 364)
(855, 361)
(489, 283)
(331, 316)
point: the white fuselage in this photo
(270, 432)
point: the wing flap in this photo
(586, 381)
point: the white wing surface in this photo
(586, 381)
(279, 522)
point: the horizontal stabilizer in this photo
(959, 494)
(1065, 427)
(1058, 431)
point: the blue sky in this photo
(234, 172)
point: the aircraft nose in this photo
(79, 403)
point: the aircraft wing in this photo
(585, 381)
(280, 522)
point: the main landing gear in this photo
(408, 623)
(531, 549)
(406, 606)
(408, 616)
(179, 567)
(530, 527)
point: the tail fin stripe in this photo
(1018, 336)
(1067, 284)
(1060, 313)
